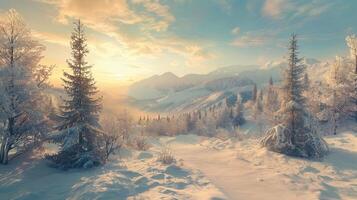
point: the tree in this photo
(22, 114)
(306, 81)
(81, 139)
(271, 82)
(231, 99)
(352, 44)
(258, 105)
(270, 101)
(337, 92)
(293, 87)
(254, 93)
(239, 119)
(293, 136)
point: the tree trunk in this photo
(4, 151)
(355, 100)
(356, 64)
(2, 148)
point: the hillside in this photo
(170, 93)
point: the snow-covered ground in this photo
(243, 170)
(206, 168)
(137, 175)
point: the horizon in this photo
(134, 40)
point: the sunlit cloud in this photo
(278, 9)
(274, 8)
(139, 26)
(51, 38)
(236, 31)
(251, 40)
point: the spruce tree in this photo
(239, 119)
(80, 112)
(293, 136)
(254, 93)
(271, 82)
(293, 87)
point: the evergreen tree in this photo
(306, 81)
(254, 93)
(258, 105)
(271, 82)
(239, 119)
(294, 136)
(270, 101)
(293, 87)
(80, 112)
(231, 99)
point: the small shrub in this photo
(165, 156)
(140, 143)
(112, 144)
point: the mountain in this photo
(168, 92)
(160, 85)
(233, 70)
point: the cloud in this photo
(278, 9)
(140, 27)
(160, 10)
(51, 38)
(274, 8)
(236, 31)
(250, 40)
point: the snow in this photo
(243, 170)
(206, 168)
(137, 176)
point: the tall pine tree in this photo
(254, 93)
(293, 136)
(80, 112)
(293, 86)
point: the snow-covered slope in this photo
(158, 86)
(197, 97)
(167, 92)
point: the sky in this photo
(132, 39)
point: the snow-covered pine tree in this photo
(352, 44)
(22, 115)
(258, 105)
(293, 136)
(293, 87)
(239, 119)
(79, 134)
(270, 101)
(306, 81)
(271, 82)
(254, 93)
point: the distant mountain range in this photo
(170, 93)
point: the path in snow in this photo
(245, 171)
(235, 178)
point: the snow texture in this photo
(279, 139)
